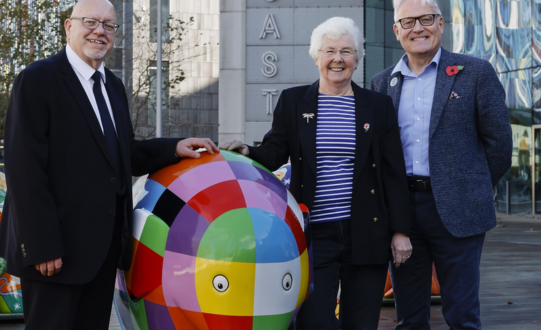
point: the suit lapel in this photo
(444, 85)
(118, 113)
(395, 91)
(307, 126)
(364, 116)
(74, 86)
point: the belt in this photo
(419, 183)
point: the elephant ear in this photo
(149, 239)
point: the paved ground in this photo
(510, 280)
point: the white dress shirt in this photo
(84, 72)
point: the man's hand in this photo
(236, 145)
(186, 148)
(401, 247)
(49, 268)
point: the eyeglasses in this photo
(425, 20)
(343, 52)
(93, 23)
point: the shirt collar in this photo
(85, 70)
(402, 65)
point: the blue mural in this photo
(508, 35)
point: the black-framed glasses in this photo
(346, 52)
(93, 23)
(425, 20)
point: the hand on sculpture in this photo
(401, 247)
(186, 148)
(236, 145)
(49, 268)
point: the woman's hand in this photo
(235, 145)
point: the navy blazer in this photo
(61, 196)
(380, 200)
(470, 141)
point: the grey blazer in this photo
(470, 141)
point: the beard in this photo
(95, 54)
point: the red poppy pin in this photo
(453, 69)
(366, 127)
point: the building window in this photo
(152, 71)
(154, 20)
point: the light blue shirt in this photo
(414, 113)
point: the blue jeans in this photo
(361, 285)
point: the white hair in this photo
(334, 28)
(431, 3)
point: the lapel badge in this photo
(308, 116)
(394, 81)
(367, 126)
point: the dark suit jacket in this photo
(379, 165)
(61, 199)
(470, 142)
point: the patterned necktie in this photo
(109, 132)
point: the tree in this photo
(31, 30)
(183, 44)
(34, 29)
(142, 83)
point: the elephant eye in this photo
(287, 281)
(220, 283)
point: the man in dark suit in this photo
(456, 137)
(70, 153)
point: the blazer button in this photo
(112, 213)
(372, 191)
(374, 165)
(300, 158)
(113, 180)
(302, 186)
(22, 246)
(375, 219)
(24, 255)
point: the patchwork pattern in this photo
(11, 301)
(219, 243)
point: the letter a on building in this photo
(270, 27)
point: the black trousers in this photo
(361, 285)
(55, 306)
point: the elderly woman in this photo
(348, 168)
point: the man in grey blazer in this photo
(456, 137)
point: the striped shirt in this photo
(335, 152)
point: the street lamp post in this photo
(159, 73)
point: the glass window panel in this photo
(513, 48)
(374, 62)
(457, 26)
(393, 55)
(375, 4)
(375, 26)
(513, 35)
(517, 85)
(513, 14)
(536, 95)
(536, 33)
(154, 20)
(514, 190)
(479, 30)
(390, 37)
(537, 169)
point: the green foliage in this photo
(31, 30)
